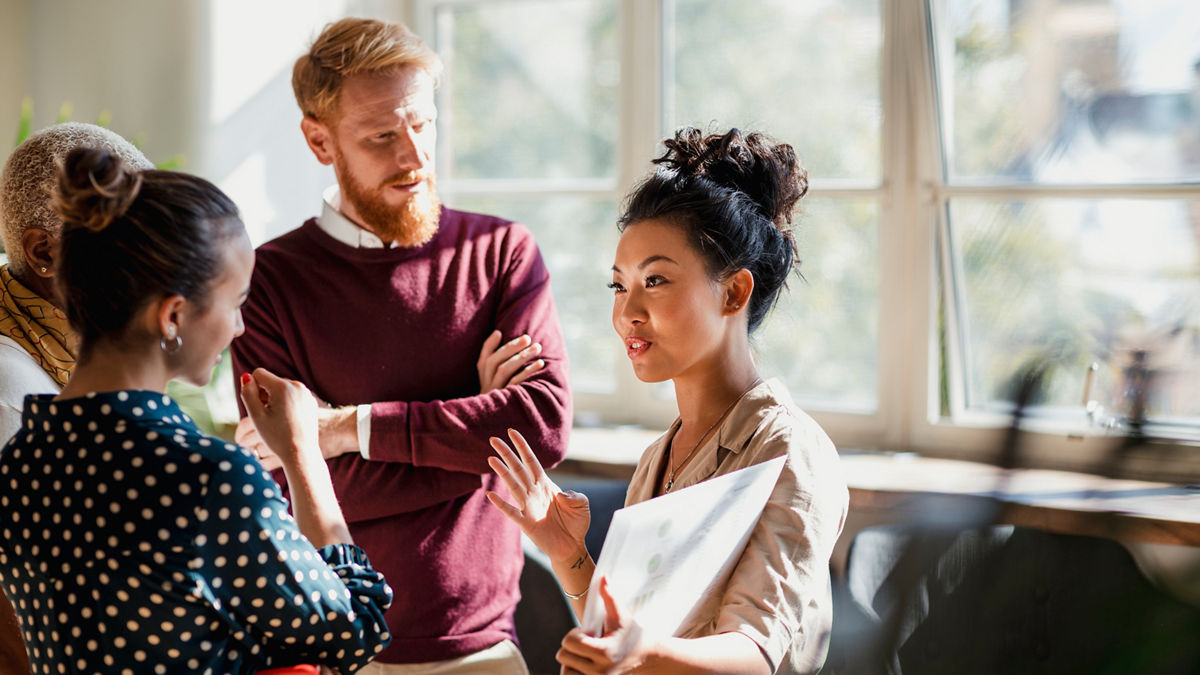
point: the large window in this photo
(1070, 132)
(993, 182)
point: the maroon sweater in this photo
(401, 329)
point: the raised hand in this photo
(554, 520)
(284, 415)
(512, 363)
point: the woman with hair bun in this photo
(704, 251)
(131, 541)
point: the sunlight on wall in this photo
(247, 187)
(246, 58)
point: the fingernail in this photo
(245, 378)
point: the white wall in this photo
(206, 79)
(14, 21)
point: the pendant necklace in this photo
(670, 461)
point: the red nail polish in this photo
(245, 378)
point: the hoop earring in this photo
(176, 344)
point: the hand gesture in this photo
(554, 520)
(621, 649)
(284, 414)
(504, 365)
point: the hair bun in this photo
(95, 188)
(767, 172)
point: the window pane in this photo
(1070, 90)
(530, 89)
(577, 237)
(805, 72)
(1080, 281)
(822, 337)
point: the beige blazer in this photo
(777, 594)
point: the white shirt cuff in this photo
(364, 430)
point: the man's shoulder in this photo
(469, 224)
(290, 242)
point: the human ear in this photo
(40, 248)
(167, 316)
(738, 289)
(319, 139)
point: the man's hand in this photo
(504, 365)
(337, 430)
(247, 437)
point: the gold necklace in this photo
(670, 460)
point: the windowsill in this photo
(906, 486)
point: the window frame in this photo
(913, 232)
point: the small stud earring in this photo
(43, 269)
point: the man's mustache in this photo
(407, 178)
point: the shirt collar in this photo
(732, 435)
(750, 411)
(334, 223)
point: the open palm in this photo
(554, 520)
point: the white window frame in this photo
(912, 197)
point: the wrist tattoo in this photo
(578, 564)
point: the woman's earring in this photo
(176, 342)
(44, 269)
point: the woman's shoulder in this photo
(774, 426)
(769, 422)
(154, 423)
(20, 373)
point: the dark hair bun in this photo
(734, 196)
(94, 189)
(767, 172)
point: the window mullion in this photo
(643, 53)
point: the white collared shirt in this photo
(337, 225)
(334, 223)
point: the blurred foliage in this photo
(104, 119)
(807, 73)
(213, 406)
(532, 90)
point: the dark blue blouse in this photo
(133, 542)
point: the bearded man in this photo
(427, 331)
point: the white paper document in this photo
(661, 556)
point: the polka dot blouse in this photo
(133, 543)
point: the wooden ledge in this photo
(907, 487)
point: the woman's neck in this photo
(704, 396)
(109, 368)
(42, 286)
